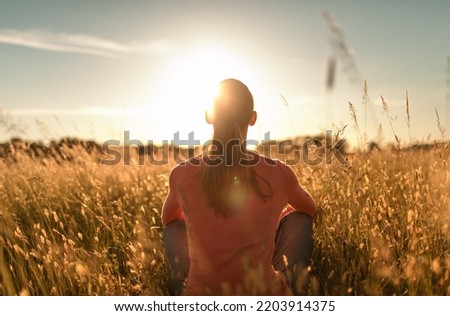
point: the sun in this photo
(187, 88)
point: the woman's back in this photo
(232, 255)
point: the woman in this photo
(227, 228)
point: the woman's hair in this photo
(227, 176)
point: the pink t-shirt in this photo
(233, 255)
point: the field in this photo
(77, 227)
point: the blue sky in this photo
(93, 69)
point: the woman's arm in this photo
(298, 197)
(171, 210)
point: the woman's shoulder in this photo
(273, 166)
(186, 166)
(269, 162)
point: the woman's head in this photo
(232, 106)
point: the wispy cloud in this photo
(83, 111)
(100, 111)
(80, 43)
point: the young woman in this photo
(236, 223)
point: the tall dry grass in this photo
(80, 228)
(383, 226)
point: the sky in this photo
(95, 69)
